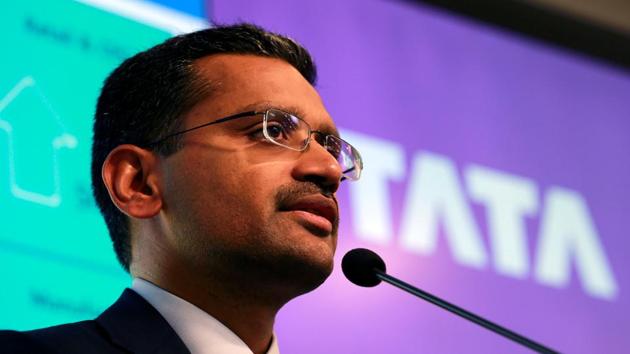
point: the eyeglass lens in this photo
(292, 132)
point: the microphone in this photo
(366, 268)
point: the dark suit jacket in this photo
(130, 325)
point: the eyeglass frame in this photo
(264, 113)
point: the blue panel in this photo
(191, 7)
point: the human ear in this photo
(131, 176)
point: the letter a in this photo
(567, 232)
(435, 196)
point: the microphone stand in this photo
(463, 313)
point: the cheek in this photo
(221, 195)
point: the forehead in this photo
(247, 82)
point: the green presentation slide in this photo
(56, 260)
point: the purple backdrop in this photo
(517, 151)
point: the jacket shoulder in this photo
(20, 342)
(67, 338)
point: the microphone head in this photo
(359, 267)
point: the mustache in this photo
(289, 193)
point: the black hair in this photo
(144, 99)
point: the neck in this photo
(250, 317)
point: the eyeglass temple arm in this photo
(232, 117)
(343, 178)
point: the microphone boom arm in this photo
(463, 313)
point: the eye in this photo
(282, 127)
(276, 131)
(257, 134)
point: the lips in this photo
(317, 205)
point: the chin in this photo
(301, 269)
(309, 271)
(284, 262)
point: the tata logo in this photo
(437, 196)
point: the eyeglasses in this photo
(292, 132)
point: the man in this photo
(215, 165)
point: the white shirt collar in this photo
(200, 332)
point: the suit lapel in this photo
(135, 325)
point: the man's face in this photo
(238, 207)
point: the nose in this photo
(317, 165)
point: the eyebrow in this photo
(297, 111)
